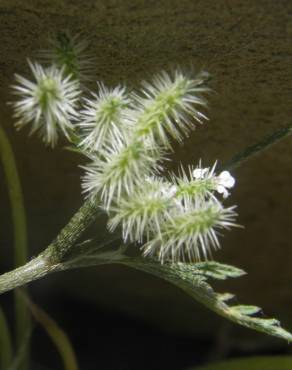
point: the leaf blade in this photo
(195, 284)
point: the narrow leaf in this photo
(22, 318)
(246, 310)
(57, 335)
(5, 343)
(21, 355)
(218, 270)
(225, 297)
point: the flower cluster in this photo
(178, 219)
(126, 136)
(171, 219)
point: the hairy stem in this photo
(69, 235)
(50, 260)
(33, 270)
(257, 148)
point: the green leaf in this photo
(217, 270)
(22, 317)
(255, 363)
(192, 278)
(225, 297)
(247, 310)
(57, 335)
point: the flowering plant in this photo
(173, 220)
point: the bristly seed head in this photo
(168, 106)
(70, 52)
(202, 182)
(49, 103)
(142, 213)
(191, 234)
(103, 120)
(119, 169)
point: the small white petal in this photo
(226, 179)
(199, 173)
(222, 190)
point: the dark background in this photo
(122, 319)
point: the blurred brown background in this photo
(247, 47)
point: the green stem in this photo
(33, 270)
(5, 343)
(69, 235)
(50, 260)
(257, 148)
(22, 317)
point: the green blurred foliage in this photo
(255, 363)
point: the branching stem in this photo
(51, 259)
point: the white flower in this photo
(49, 103)
(225, 181)
(200, 173)
(194, 183)
(103, 120)
(220, 183)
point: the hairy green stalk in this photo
(51, 259)
(257, 148)
(22, 317)
(69, 235)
